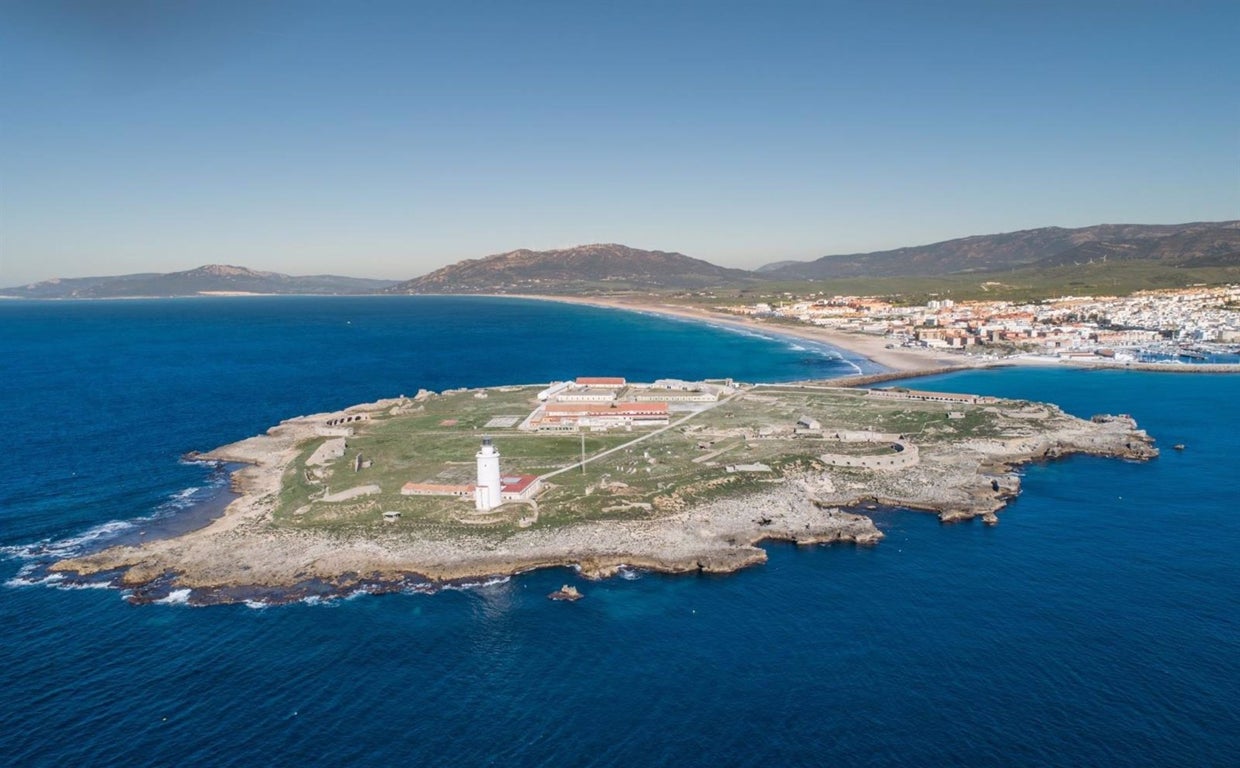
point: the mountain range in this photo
(1186, 245)
(610, 267)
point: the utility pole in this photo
(583, 453)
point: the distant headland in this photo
(207, 280)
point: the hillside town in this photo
(1193, 323)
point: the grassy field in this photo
(435, 441)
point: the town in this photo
(1189, 324)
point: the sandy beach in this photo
(873, 348)
(905, 360)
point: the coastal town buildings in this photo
(1164, 322)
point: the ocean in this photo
(1097, 624)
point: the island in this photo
(597, 473)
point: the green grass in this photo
(643, 480)
(420, 447)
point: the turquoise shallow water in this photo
(1096, 625)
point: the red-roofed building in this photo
(606, 409)
(436, 489)
(519, 487)
(556, 416)
(512, 488)
(600, 381)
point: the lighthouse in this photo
(488, 489)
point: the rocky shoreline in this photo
(244, 552)
(240, 554)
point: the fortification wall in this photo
(903, 457)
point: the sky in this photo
(386, 139)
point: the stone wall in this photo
(902, 456)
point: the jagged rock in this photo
(567, 593)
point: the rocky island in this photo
(597, 473)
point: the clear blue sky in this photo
(386, 139)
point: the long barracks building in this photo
(570, 416)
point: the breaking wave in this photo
(176, 597)
(40, 554)
(49, 549)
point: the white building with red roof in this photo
(492, 488)
(520, 487)
(559, 416)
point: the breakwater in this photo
(1163, 367)
(878, 378)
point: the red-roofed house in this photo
(518, 487)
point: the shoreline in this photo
(901, 362)
(871, 348)
(908, 361)
(244, 552)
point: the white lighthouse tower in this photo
(488, 489)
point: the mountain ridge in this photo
(596, 266)
(1023, 248)
(610, 267)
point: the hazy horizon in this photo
(314, 138)
(400, 278)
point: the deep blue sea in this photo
(1098, 624)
